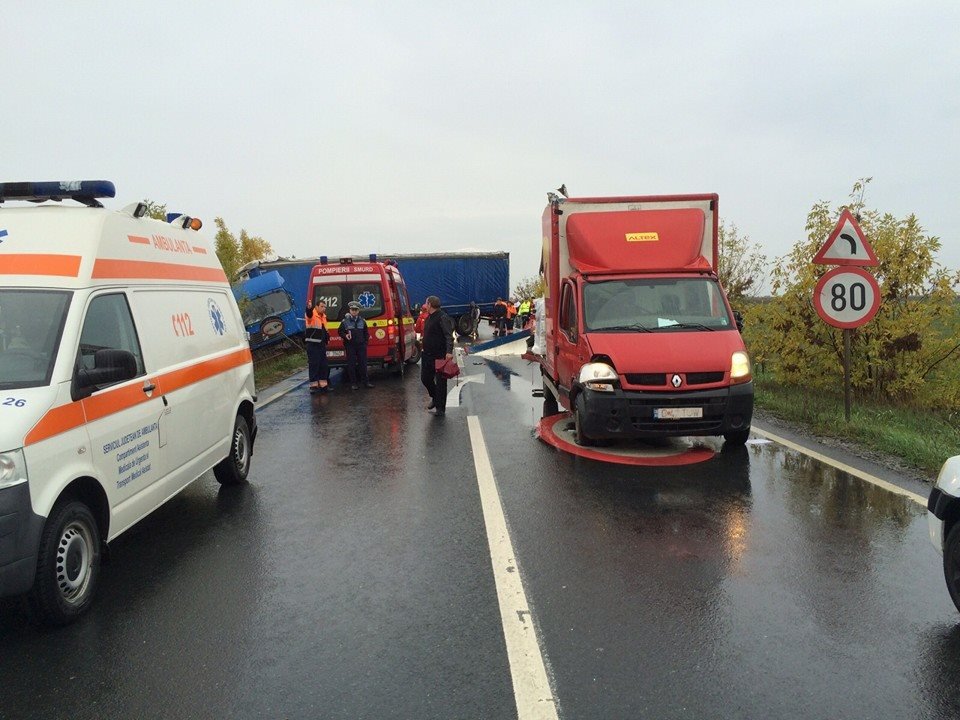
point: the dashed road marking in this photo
(531, 688)
(849, 469)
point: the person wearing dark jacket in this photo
(354, 332)
(437, 345)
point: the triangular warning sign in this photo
(847, 245)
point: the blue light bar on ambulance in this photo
(373, 257)
(323, 259)
(83, 191)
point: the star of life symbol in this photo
(676, 381)
(216, 317)
(367, 299)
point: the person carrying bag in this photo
(437, 351)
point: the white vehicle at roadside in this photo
(125, 374)
(943, 517)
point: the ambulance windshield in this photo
(31, 322)
(337, 296)
(655, 304)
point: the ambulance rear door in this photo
(407, 336)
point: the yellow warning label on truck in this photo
(643, 237)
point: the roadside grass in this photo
(921, 438)
(267, 372)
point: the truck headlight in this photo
(598, 376)
(739, 367)
(13, 468)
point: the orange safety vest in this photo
(317, 321)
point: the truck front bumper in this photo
(20, 530)
(634, 414)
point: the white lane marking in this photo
(850, 470)
(276, 396)
(453, 394)
(531, 688)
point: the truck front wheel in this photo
(68, 565)
(579, 412)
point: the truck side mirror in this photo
(738, 319)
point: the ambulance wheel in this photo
(415, 358)
(234, 467)
(737, 437)
(579, 411)
(68, 565)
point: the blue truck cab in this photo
(270, 312)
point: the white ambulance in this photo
(125, 374)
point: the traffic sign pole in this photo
(846, 372)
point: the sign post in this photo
(847, 296)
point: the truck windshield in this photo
(655, 304)
(257, 309)
(338, 295)
(31, 322)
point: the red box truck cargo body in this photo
(640, 338)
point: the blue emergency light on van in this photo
(83, 191)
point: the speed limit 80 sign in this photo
(847, 297)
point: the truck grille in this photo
(646, 378)
(659, 379)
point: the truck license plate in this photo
(334, 353)
(677, 413)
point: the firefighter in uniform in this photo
(316, 337)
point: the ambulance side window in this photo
(108, 326)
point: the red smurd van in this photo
(379, 289)
(640, 339)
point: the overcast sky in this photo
(331, 128)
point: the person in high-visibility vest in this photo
(500, 317)
(524, 311)
(511, 314)
(316, 337)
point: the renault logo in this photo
(676, 381)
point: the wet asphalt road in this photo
(351, 578)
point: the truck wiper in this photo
(687, 326)
(636, 327)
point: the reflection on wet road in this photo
(352, 579)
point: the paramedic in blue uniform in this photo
(354, 332)
(437, 345)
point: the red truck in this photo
(641, 341)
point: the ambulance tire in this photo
(415, 358)
(579, 410)
(68, 565)
(233, 469)
(736, 437)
